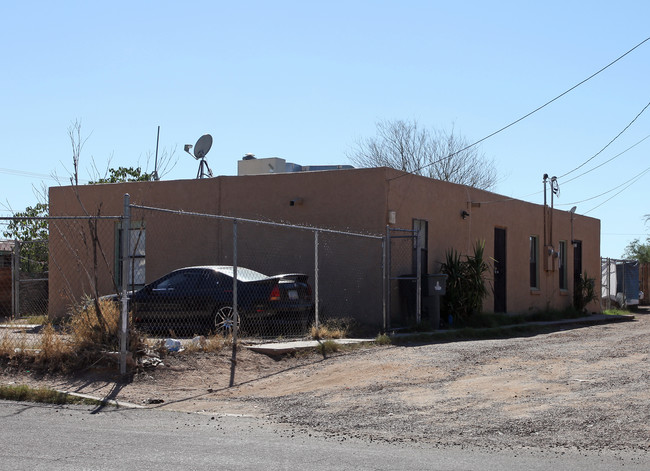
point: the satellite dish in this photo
(202, 146)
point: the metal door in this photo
(499, 270)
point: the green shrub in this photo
(466, 288)
(584, 292)
(383, 339)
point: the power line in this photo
(532, 112)
(582, 174)
(608, 144)
(637, 178)
(22, 173)
(607, 161)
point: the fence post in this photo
(609, 283)
(418, 283)
(235, 309)
(15, 280)
(126, 239)
(387, 281)
(383, 279)
(316, 281)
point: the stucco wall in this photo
(441, 204)
(357, 200)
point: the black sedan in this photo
(201, 299)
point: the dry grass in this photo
(43, 395)
(327, 347)
(331, 329)
(86, 339)
(83, 340)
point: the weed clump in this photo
(327, 347)
(332, 329)
(383, 339)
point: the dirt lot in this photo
(584, 387)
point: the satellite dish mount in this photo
(201, 148)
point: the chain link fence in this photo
(49, 280)
(23, 278)
(179, 270)
(289, 278)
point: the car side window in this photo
(178, 282)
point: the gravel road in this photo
(587, 388)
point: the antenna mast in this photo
(155, 165)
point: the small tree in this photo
(584, 292)
(124, 174)
(31, 230)
(635, 250)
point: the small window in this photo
(137, 239)
(562, 264)
(534, 259)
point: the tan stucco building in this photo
(535, 252)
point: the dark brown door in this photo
(499, 270)
(577, 260)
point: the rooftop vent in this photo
(248, 157)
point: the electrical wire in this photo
(637, 178)
(532, 112)
(607, 161)
(608, 144)
(504, 200)
(22, 173)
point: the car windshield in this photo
(243, 274)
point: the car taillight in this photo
(275, 293)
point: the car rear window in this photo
(243, 274)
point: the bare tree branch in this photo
(440, 154)
(74, 131)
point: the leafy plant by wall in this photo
(584, 292)
(466, 284)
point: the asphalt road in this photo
(37, 436)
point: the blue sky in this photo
(305, 80)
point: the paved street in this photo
(49, 437)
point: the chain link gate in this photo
(404, 276)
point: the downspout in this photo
(544, 181)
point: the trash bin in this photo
(434, 286)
